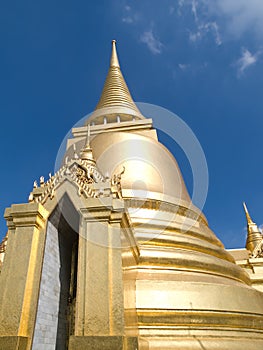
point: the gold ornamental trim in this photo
(199, 319)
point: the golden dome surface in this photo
(150, 169)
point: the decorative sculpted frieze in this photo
(258, 251)
(86, 177)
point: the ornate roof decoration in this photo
(3, 244)
(254, 242)
(258, 251)
(83, 172)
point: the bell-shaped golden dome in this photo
(150, 169)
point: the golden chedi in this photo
(110, 253)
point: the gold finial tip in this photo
(114, 57)
(249, 220)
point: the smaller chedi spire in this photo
(86, 153)
(254, 236)
(115, 99)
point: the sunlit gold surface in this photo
(21, 273)
(149, 167)
(253, 266)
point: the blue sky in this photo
(200, 59)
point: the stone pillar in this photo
(100, 306)
(21, 274)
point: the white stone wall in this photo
(48, 305)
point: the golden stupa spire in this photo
(116, 97)
(249, 220)
(254, 236)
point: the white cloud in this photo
(240, 15)
(153, 44)
(246, 60)
(235, 17)
(204, 26)
(194, 9)
(195, 36)
(128, 20)
(130, 16)
(204, 29)
(213, 27)
(180, 5)
(183, 66)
